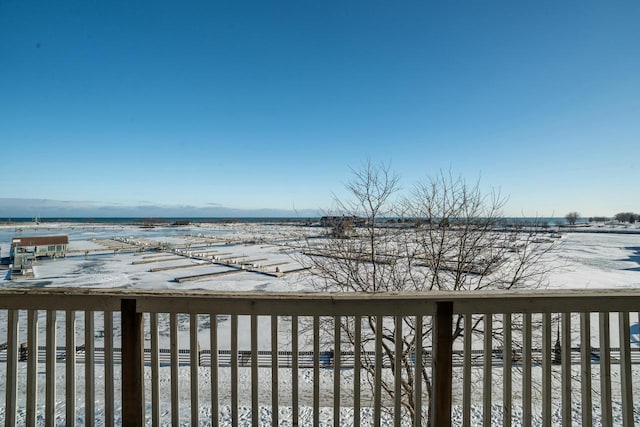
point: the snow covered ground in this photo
(107, 269)
(597, 260)
(306, 392)
(580, 261)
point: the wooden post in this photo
(132, 365)
(442, 365)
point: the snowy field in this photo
(106, 269)
(579, 261)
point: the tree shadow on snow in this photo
(634, 332)
(635, 257)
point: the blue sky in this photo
(259, 104)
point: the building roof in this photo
(39, 241)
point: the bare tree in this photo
(629, 217)
(446, 235)
(372, 187)
(572, 217)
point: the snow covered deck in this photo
(536, 384)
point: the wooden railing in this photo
(506, 348)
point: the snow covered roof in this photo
(39, 241)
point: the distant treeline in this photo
(629, 217)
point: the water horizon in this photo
(176, 220)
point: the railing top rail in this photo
(312, 303)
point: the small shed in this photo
(40, 246)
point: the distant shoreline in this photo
(155, 221)
(551, 222)
(546, 224)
